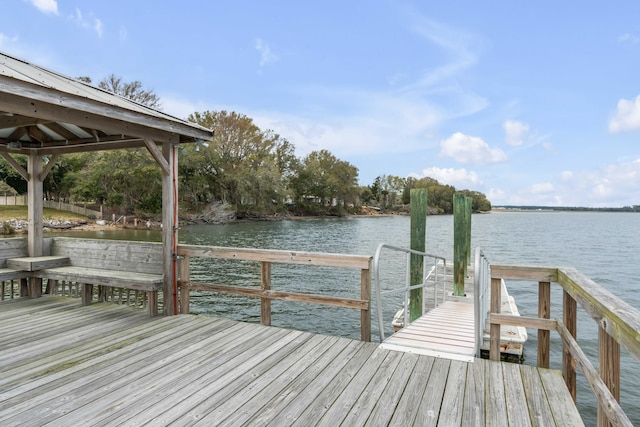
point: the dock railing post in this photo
(494, 331)
(185, 274)
(569, 313)
(265, 284)
(365, 295)
(609, 367)
(544, 312)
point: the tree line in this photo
(254, 171)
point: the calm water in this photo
(603, 246)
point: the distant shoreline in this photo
(502, 209)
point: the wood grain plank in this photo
(474, 397)
(126, 345)
(309, 380)
(453, 399)
(371, 395)
(429, 409)
(536, 399)
(220, 385)
(496, 408)
(385, 407)
(518, 413)
(338, 384)
(559, 398)
(158, 388)
(296, 398)
(407, 407)
(75, 391)
(249, 401)
(348, 396)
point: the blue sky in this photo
(529, 104)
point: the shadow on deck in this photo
(66, 364)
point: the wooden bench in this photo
(12, 248)
(107, 263)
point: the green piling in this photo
(418, 197)
(468, 212)
(459, 243)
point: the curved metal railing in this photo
(434, 277)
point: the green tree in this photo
(10, 176)
(127, 180)
(321, 175)
(441, 196)
(388, 190)
(242, 165)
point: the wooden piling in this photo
(418, 198)
(468, 211)
(460, 244)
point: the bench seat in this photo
(96, 276)
(13, 274)
(88, 276)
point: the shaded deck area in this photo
(67, 364)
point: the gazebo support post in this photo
(34, 209)
(169, 227)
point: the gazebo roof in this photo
(46, 112)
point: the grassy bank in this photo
(20, 212)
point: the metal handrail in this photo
(482, 272)
(433, 274)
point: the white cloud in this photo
(266, 55)
(91, 22)
(566, 175)
(496, 196)
(361, 122)
(97, 26)
(46, 6)
(629, 38)
(515, 132)
(613, 185)
(181, 108)
(467, 149)
(122, 34)
(5, 40)
(626, 116)
(455, 43)
(459, 178)
(542, 188)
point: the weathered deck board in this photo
(110, 365)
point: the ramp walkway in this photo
(436, 333)
(455, 327)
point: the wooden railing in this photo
(618, 323)
(266, 257)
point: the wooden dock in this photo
(67, 364)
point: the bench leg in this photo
(24, 287)
(153, 303)
(87, 293)
(103, 293)
(52, 286)
(35, 287)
